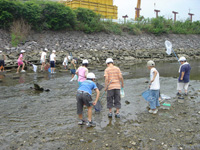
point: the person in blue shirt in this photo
(184, 76)
(84, 97)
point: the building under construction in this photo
(103, 7)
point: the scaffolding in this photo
(103, 7)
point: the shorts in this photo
(52, 64)
(113, 98)
(73, 71)
(182, 85)
(42, 61)
(83, 98)
(2, 63)
(20, 63)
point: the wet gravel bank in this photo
(47, 120)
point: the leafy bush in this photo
(88, 20)
(43, 14)
(31, 12)
(9, 10)
(112, 27)
(56, 16)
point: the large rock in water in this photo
(38, 88)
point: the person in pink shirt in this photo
(20, 62)
(82, 72)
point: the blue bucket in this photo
(147, 95)
(49, 69)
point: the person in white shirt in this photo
(53, 61)
(66, 60)
(43, 58)
(154, 87)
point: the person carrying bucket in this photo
(43, 58)
(82, 72)
(2, 59)
(20, 62)
(154, 87)
(113, 77)
(184, 76)
(84, 97)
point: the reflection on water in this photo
(166, 69)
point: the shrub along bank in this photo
(47, 15)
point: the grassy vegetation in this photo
(48, 15)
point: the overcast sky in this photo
(165, 6)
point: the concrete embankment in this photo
(129, 49)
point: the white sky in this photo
(127, 7)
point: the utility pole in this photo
(125, 18)
(157, 11)
(174, 15)
(190, 16)
(137, 10)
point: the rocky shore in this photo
(129, 49)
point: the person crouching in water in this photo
(84, 97)
(43, 58)
(65, 62)
(82, 72)
(154, 87)
(184, 76)
(20, 61)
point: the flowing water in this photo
(27, 116)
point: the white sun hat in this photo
(23, 51)
(182, 59)
(109, 60)
(150, 63)
(54, 51)
(85, 61)
(91, 75)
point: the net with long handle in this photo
(168, 46)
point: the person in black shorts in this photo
(84, 97)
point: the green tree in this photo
(56, 16)
(9, 10)
(88, 20)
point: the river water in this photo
(26, 114)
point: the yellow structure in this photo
(137, 9)
(103, 7)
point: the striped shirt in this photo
(113, 73)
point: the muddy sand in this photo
(32, 120)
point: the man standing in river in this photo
(184, 76)
(113, 77)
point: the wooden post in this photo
(174, 15)
(125, 18)
(190, 16)
(157, 11)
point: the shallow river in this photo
(24, 111)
